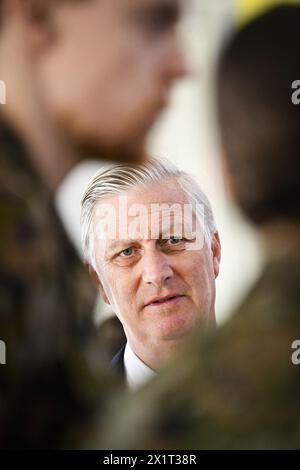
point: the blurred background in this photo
(187, 134)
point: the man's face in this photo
(137, 274)
(107, 72)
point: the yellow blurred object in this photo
(248, 9)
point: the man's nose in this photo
(156, 269)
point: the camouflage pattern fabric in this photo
(53, 379)
(234, 389)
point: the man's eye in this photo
(161, 18)
(175, 241)
(156, 23)
(126, 253)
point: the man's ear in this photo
(216, 253)
(95, 278)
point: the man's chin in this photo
(174, 329)
(132, 152)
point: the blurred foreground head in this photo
(103, 68)
(260, 124)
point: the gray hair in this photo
(124, 177)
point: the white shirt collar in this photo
(137, 372)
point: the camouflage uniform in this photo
(236, 388)
(51, 381)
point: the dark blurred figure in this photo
(80, 76)
(240, 387)
(113, 337)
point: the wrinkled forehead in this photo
(158, 201)
(159, 211)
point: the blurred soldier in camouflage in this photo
(240, 388)
(79, 75)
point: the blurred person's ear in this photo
(95, 278)
(216, 253)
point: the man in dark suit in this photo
(151, 243)
(117, 363)
(240, 387)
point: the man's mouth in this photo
(169, 299)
